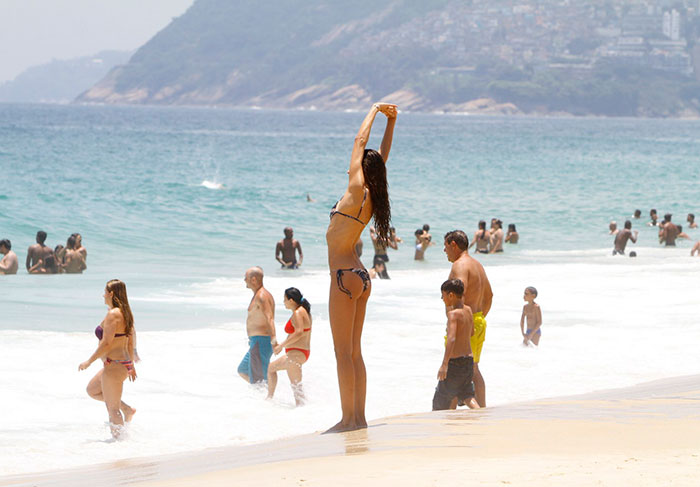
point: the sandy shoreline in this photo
(648, 434)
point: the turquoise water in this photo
(130, 180)
(137, 183)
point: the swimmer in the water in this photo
(512, 236)
(481, 239)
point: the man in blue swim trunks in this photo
(260, 325)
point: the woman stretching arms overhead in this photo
(366, 197)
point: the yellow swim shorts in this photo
(479, 335)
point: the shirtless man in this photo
(481, 239)
(496, 242)
(287, 248)
(691, 221)
(38, 251)
(457, 368)
(477, 295)
(623, 236)
(613, 228)
(668, 232)
(260, 326)
(9, 263)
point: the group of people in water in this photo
(491, 241)
(466, 293)
(42, 259)
(669, 232)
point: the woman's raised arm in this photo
(390, 112)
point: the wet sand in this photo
(643, 435)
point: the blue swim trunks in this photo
(255, 362)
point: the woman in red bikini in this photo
(116, 349)
(366, 197)
(296, 346)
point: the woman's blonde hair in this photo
(121, 301)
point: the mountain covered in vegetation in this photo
(500, 56)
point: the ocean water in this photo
(178, 202)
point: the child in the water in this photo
(533, 313)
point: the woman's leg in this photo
(293, 366)
(94, 390)
(113, 377)
(272, 374)
(342, 310)
(358, 362)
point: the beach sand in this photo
(643, 435)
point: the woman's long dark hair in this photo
(295, 295)
(121, 301)
(374, 170)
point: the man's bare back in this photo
(36, 253)
(477, 293)
(9, 264)
(465, 326)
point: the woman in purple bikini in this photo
(117, 350)
(365, 197)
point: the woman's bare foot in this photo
(342, 428)
(128, 414)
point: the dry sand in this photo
(643, 435)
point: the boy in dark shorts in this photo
(455, 374)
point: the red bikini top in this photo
(289, 328)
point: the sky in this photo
(35, 32)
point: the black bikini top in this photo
(356, 218)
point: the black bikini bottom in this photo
(364, 275)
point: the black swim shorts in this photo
(457, 384)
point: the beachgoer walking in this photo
(260, 326)
(622, 237)
(533, 314)
(366, 196)
(297, 345)
(117, 350)
(9, 262)
(286, 249)
(477, 295)
(456, 371)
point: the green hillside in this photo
(437, 55)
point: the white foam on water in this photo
(606, 323)
(212, 184)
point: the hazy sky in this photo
(36, 31)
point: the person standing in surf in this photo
(297, 346)
(366, 196)
(116, 349)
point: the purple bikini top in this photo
(99, 331)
